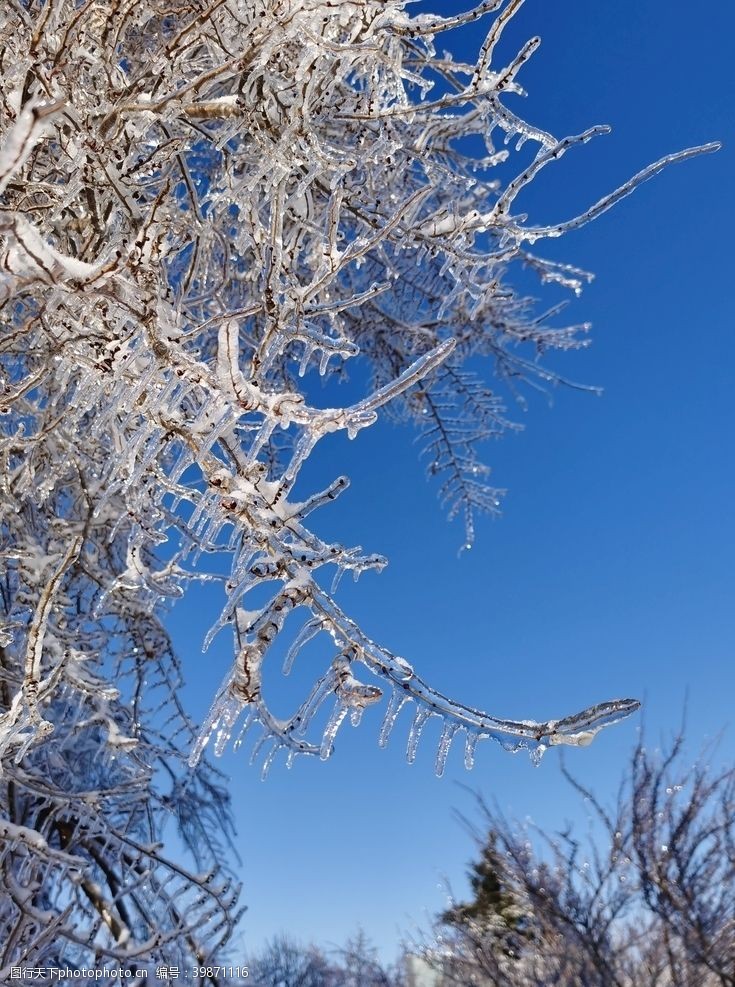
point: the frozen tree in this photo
(94, 738)
(284, 963)
(358, 965)
(646, 900)
(204, 207)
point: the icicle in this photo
(261, 438)
(330, 731)
(356, 422)
(306, 634)
(259, 743)
(136, 397)
(184, 461)
(154, 441)
(225, 707)
(305, 358)
(205, 503)
(537, 754)
(271, 351)
(268, 761)
(420, 717)
(395, 704)
(250, 719)
(233, 599)
(445, 742)
(337, 578)
(104, 419)
(227, 720)
(226, 422)
(128, 455)
(215, 529)
(308, 710)
(168, 397)
(306, 443)
(470, 743)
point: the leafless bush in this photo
(647, 900)
(284, 963)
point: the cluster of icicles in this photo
(167, 412)
(164, 409)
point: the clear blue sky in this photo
(609, 574)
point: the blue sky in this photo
(610, 572)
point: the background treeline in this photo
(645, 899)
